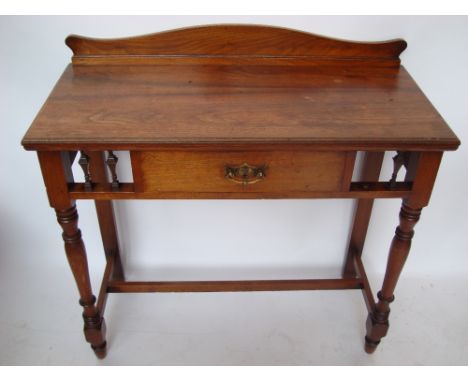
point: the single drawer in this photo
(279, 172)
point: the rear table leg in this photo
(106, 217)
(370, 172)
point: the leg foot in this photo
(377, 327)
(370, 345)
(95, 334)
(101, 350)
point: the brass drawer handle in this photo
(245, 174)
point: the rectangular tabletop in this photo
(339, 104)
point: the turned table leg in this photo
(56, 171)
(422, 171)
(94, 324)
(377, 321)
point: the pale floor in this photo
(41, 325)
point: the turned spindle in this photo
(112, 164)
(84, 163)
(401, 159)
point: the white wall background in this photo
(227, 239)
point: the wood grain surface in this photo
(340, 106)
(232, 40)
(204, 171)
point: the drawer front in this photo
(242, 171)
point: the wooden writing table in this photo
(236, 112)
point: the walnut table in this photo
(236, 112)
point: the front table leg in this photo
(56, 171)
(422, 171)
(377, 321)
(94, 324)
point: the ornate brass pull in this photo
(245, 174)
